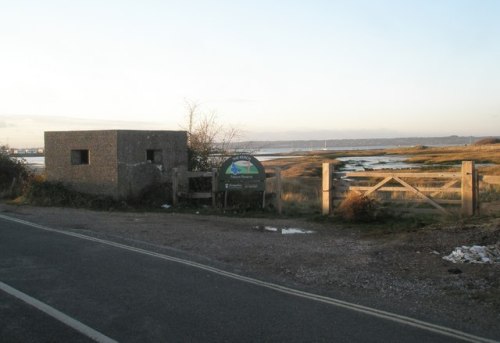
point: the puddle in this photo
(283, 231)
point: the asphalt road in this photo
(133, 297)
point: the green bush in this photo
(43, 193)
(13, 175)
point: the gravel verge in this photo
(399, 272)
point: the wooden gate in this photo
(446, 192)
(186, 175)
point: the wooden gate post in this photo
(477, 207)
(278, 190)
(327, 188)
(468, 188)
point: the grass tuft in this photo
(357, 208)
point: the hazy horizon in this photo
(27, 132)
(356, 69)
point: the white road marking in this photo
(442, 330)
(71, 322)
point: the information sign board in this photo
(242, 173)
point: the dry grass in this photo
(442, 155)
(309, 165)
(302, 175)
(305, 166)
(357, 208)
(301, 182)
(300, 195)
(490, 170)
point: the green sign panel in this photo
(242, 172)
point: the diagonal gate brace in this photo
(378, 185)
(420, 194)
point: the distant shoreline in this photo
(26, 155)
(341, 143)
(365, 143)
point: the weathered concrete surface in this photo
(118, 164)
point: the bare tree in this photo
(209, 142)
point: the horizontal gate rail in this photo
(439, 190)
(447, 175)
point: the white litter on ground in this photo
(263, 228)
(284, 231)
(292, 231)
(475, 254)
(166, 206)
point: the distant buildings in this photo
(27, 152)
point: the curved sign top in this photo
(242, 172)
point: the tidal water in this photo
(35, 161)
(360, 163)
(352, 163)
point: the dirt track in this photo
(403, 273)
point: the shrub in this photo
(357, 208)
(43, 193)
(13, 175)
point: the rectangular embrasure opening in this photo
(154, 156)
(80, 157)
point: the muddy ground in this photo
(400, 272)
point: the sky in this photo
(272, 69)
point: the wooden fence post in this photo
(175, 186)
(278, 190)
(468, 188)
(477, 208)
(327, 188)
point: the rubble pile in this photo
(475, 254)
